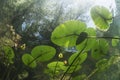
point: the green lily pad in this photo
(28, 60)
(67, 33)
(74, 68)
(88, 43)
(102, 17)
(43, 53)
(57, 65)
(81, 38)
(9, 53)
(100, 49)
(79, 60)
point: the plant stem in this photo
(91, 74)
(73, 61)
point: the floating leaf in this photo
(81, 38)
(57, 65)
(100, 49)
(102, 17)
(89, 42)
(66, 34)
(43, 53)
(28, 60)
(9, 53)
(79, 60)
(74, 68)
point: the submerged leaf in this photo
(57, 65)
(28, 60)
(102, 17)
(79, 59)
(81, 38)
(88, 43)
(100, 49)
(9, 53)
(66, 34)
(43, 53)
(74, 68)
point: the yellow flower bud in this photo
(23, 46)
(65, 62)
(60, 55)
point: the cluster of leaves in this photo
(76, 34)
(72, 34)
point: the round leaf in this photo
(74, 68)
(81, 38)
(43, 53)
(89, 42)
(58, 65)
(79, 60)
(66, 34)
(102, 17)
(100, 49)
(28, 60)
(9, 53)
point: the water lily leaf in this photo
(9, 53)
(80, 59)
(102, 17)
(43, 53)
(67, 33)
(57, 65)
(28, 60)
(81, 38)
(100, 49)
(74, 68)
(88, 43)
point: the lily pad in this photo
(100, 49)
(102, 17)
(43, 53)
(28, 60)
(79, 58)
(67, 33)
(89, 42)
(57, 65)
(9, 53)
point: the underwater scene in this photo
(59, 39)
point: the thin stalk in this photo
(73, 71)
(73, 62)
(104, 37)
(91, 74)
(35, 59)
